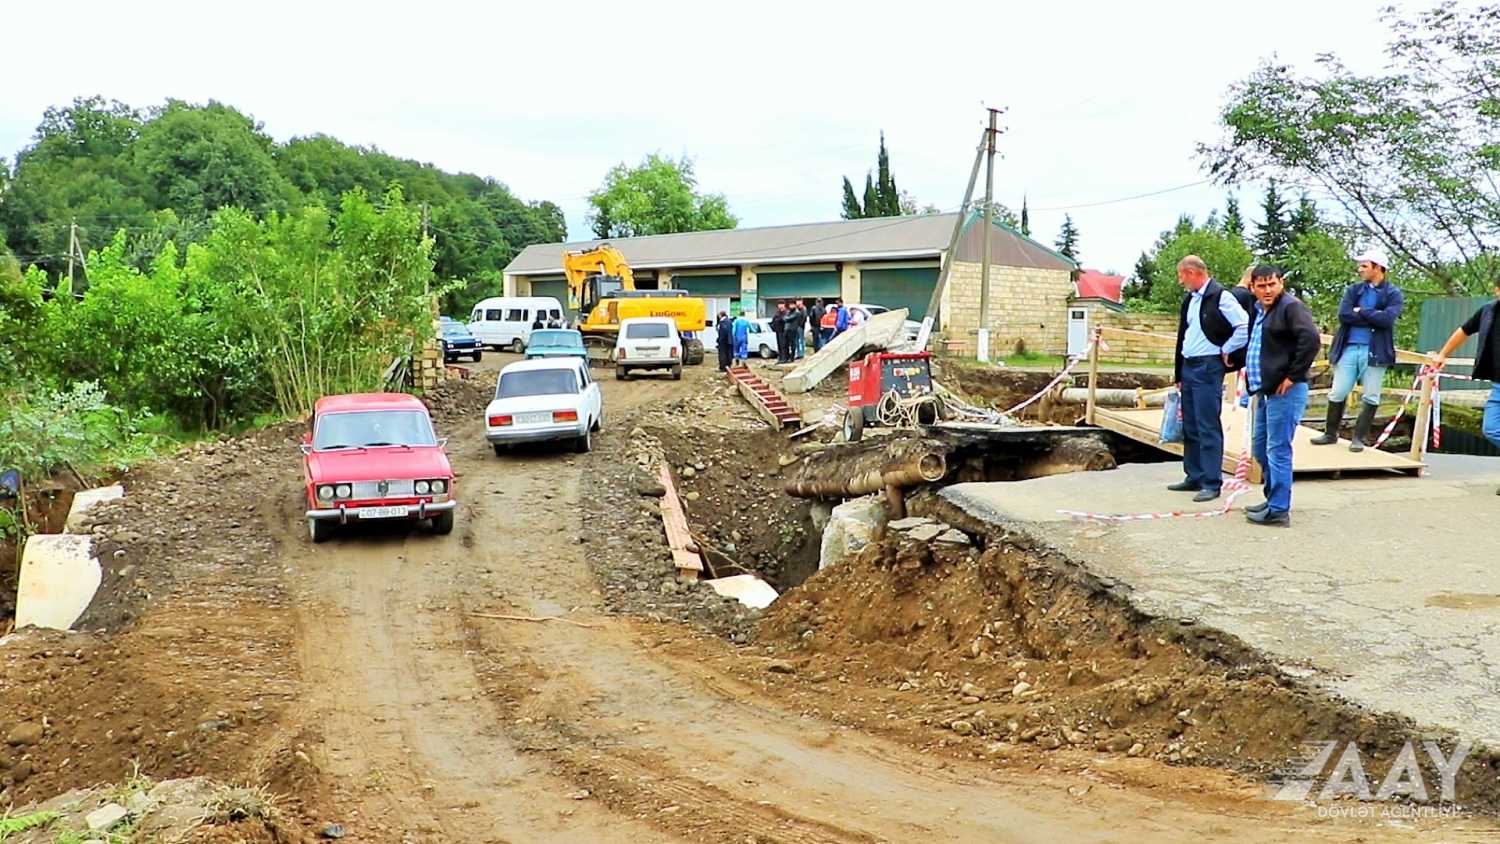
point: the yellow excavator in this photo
(602, 288)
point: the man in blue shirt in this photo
(1211, 327)
(1284, 341)
(1363, 347)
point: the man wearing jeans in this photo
(1485, 324)
(1284, 341)
(1211, 327)
(1363, 347)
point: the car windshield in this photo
(370, 428)
(536, 382)
(648, 331)
(455, 329)
(563, 339)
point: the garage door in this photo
(904, 288)
(796, 285)
(727, 284)
(556, 289)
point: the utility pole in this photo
(924, 337)
(424, 221)
(989, 217)
(72, 250)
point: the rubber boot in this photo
(1331, 427)
(1362, 426)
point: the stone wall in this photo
(1026, 304)
(1132, 348)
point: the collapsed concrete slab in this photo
(747, 589)
(85, 500)
(59, 576)
(881, 330)
(1383, 591)
(853, 525)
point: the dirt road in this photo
(440, 722)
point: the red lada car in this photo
(375, 456)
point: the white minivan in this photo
(648, 343)
(505, 321)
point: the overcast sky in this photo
(775, 102)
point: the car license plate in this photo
(534, 418)
(382, 512)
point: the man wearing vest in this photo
(1486, 324)
(1363, 347)
(1284, 342)
(1210, 328)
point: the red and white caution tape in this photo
(1067, 370)
(1416, 386)
(1233, 489)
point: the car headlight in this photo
(439, 487)
(325, 493)
(422, 487)
(343, 491)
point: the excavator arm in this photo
(594, 274)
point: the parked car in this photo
(762, 340)
(649, 343)
(545, 399)
(556, 343)
(505, 321)
(375, 456)
(459, 343)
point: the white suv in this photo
(648, 343)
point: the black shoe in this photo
(1184, 486)
(1362, 426)
(1258, 508)
(1205, 495)
(1273, 518)
(1331, 424)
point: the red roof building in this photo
(1092, 284)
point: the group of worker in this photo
(1261, 328)
(789, 324)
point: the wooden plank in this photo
(674, 520)
(879, 330)
(1143, 425)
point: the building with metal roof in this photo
(890, 261)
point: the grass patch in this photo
(12, 824)
(231, 804)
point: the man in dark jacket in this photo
(1363, 347)
(796, 320)
(725, 330)
(778, 330)
(1284, 342)
(1485, 323)
(1211, 328)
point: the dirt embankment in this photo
(1002, 652)
(1003, 388)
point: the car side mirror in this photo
(305, 448)
(442, 442)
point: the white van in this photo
(505, 321)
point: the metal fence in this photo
(1439, 318)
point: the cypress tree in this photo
(1067, 238)
(1274, 237)
(1025, 217)
(852, 211)
(873, 206)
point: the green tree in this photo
(197, 159)
(872, 198)
(1141, 279)
(1233, 223)
(1304, 219)
(1067, 238)
(889, 198)
(659, 196)
(851, 209)
(1273, 237)
(1025, 218)
(1226, 257)
(1317, 270)
(1409, 153)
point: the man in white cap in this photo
(1363, 347)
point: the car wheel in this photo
(677, 372)
(517, 346)
(767, 352)
(478, 355)
(620, 374)
(442, 523)
(320, 530)
(585, 443)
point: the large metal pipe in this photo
(840, 472)
(1118, 397)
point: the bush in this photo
(74, 428)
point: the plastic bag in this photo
(1171, 418)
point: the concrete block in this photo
(87, 498)
(851, 527)
(59, 575)
(745, 588)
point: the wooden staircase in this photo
(771, 405)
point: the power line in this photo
(1125, 198)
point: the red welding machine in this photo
(906, 374)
